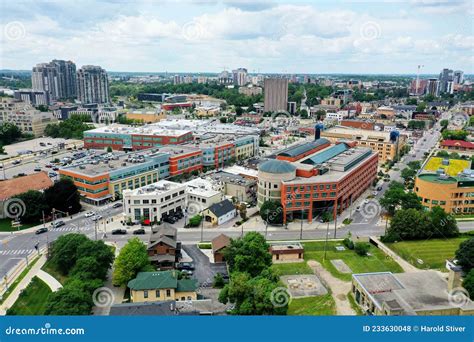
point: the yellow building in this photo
(161, 286)
(146, 116)
(378, 141)
(448, 183)
(202, 112)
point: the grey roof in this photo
(162, 238)
(222, 208)
(276, 166)
(303, 148)
(166, 308)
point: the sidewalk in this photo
(407, 267)
(22, 285)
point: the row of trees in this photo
(86, 263)
(251, 278)
(72, 128)
(63, 196)
(465, 258)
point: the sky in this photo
(329, 36)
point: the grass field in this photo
(32, 300)
(50, 267)
(376, 262)
(292, 268)
(6, 225)
(432, 253)
(13, 285)
(312, 306)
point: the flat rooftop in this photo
(226, 177)
(357, 134)
(200, 127)
(284, 246)
(140, 130)
(201, 187)
(412, 292)
(451, 167)
(154, 189)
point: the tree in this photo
(218, 281)
(71, 128)
(223, 119)
(34, 204)
(109, 149)
(444, 123)
(465, 255)
(133, 258)
(442, 224)
(468, 283)
(9, 133)
(407, 173)
(321, 113)
(361, 248)
(272, 211)
(392, 197)
(248, 254)
(407, 224)
(195, 221)
(414, 165)
(455, 135)
(64, 253)
(87, 268)
(421, 107)
(239, 111)
(101, 252)
(64, 196)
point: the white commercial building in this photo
(155, 200)
(200, 195)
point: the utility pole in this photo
(301, 228)
(335, 219)
(326, 242)
(202, 229)
(95, 227)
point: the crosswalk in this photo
(16, 252)
(69, 229)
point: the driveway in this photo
(204, 271)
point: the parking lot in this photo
(204, 271)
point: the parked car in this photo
(49, 165)
(52, 174)
(379, 188)
(21, 174)
(119, 232)
(140, 231)
(56, 168)
(185, 266)
(89, 214)
(57, 224)
(117, 205)
(169, 219)
(37, 169)
(375, 193)
(16, 162)
(96, 217)
(41, 231)
(187, 272)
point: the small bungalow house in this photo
(163, 249)
(219, 243)
(161, 286)
(220, 213)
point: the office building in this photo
(276, 94)
(319, 178)
(446, 76)
(92, 85)
(33, 97)
(458, 77)
(433, 87)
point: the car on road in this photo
(89, 214)
(52, 174)
(55, 168)
(379, 188)
(119, 232)
(375, 193)
(57, 224)
(41, 231)
(37, 169)
(117, 205)
(21, 174)
(49, 165)
(366, 201)
(16, 162)
(187, 272)
(140, 231)
(96, 217)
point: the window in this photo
(168, 293)
(145, 294)
(158, 294)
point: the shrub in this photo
(218, 281)
(361, 248)
(348, 243)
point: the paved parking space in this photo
(204, 271)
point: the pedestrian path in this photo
(52, 282)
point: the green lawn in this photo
(312, 306)
(32, 300)
(50, 267)
(292, 268)
(433, 252)
(6, 225)
(13, 285)
(376, 262)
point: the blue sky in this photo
(267, 36)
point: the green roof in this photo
(434, 178)
(161, 280)
(276, 166)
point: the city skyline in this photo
(268, 37)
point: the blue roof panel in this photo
(327, 154)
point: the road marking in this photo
(16, 251)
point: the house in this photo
(457, 145)
(218, 244)
(293, 251)
(12, 187)
(161, 286)
(166, 308)
(220, 213)
(163, 249)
